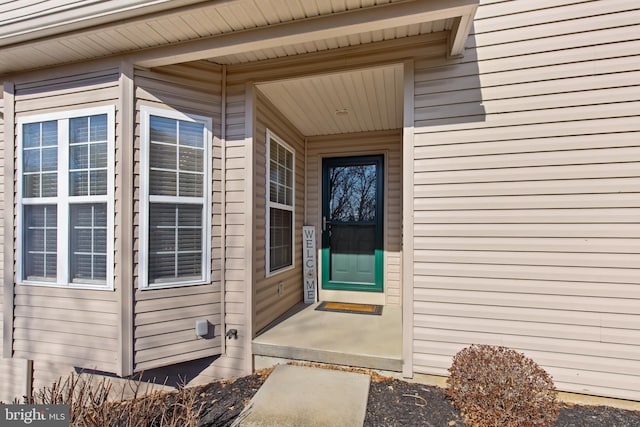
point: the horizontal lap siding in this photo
(527, 194)
(68, 326)
(12, 371)
(268, 304)
(164, 319)
(236, 282)
(387, 143)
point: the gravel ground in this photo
(393, 402)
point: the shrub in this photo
(91, 404)
(497, 386)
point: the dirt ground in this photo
(393, 402)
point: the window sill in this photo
(174, 285)
(67, 286)
(282, 270)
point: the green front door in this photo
(352, 226)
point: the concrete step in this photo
(291, 353)
(366, 341)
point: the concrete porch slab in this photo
(360, 340)
(304, 396)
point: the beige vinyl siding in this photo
(527, 194)
(69, 326)
(388, 143)
(2, 214)
(164, 319)
(46, 373)
(12, 371)
(237, 284)
(14, 379)
(268, 304)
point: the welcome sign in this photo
(309, 272)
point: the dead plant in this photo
(496, 386)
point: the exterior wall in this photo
(68, 326)
(268, 305)
(237, 272)
(389, 144)
(164, 319)
(46, 373)
(12, 371)
(527, 194)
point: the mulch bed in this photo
(393, 402)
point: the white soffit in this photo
(226, 31)
(348, 102)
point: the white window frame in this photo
(269, 204)
(63, 200)
(145, 198)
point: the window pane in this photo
(50, 133)
(78, 130)
(31, 186)
(189, 264)
(162, 267)
(162, 183)
(175, 242)
(162, 129)
(98, 180)
(88, 224)
(98, 156)
(31, 135)
(192, 134)
(79, 183)
(190, 185)
(31, 161)
(79, 156)
(49, 185)
(40, 241)
(190, 240)
(162, 156)
(280, 233)
(289, 162)
(98, 128)
(40, 155)
(191, 159)
(49, 159)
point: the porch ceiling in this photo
(153, 33)
(354, 101)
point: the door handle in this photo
(324, 223)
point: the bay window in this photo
(175, 243)
(65, 192)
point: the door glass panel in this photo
(352, 193)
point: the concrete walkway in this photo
(304, 397)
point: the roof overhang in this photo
(152, 34)
(20, 22)
(349, 23)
